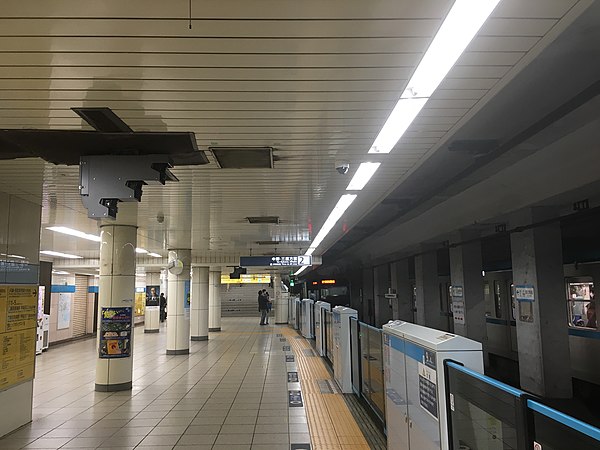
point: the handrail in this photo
(568, 421)
(498, 384)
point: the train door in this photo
(446, 306)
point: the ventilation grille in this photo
(243, 157)
(263, 219)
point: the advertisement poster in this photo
(153, 295)
(64, 311)
(186, 298)
(115, 332)
(18, 327)
(140, 301)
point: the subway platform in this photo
(231, 392)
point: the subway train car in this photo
(584, 337)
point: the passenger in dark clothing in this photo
(263, 307)
(163, 307)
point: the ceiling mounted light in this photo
(141, 251)
(155, 255)
(342, 205)
(300, 270)
(458, 29)
(60, 255)
(362, 176)
(60, 272)
(397, 123)
(76, 233)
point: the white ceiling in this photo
(314, 79)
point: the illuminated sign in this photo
(247, 279)
(327, 281)
(275, 261)
(314, 283)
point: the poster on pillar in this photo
(18, 328)
(153, 295)
(115, 332)
(186, 298)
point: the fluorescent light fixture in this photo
(60, 255)
(397, 123)
(362, 176)
(155, 255)
(60, 272)
(300, 270)
(458, 29)
(76, 233)
(141, 250)
(16, 256)
(340, 208)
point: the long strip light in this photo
(339, 209)
(362, 176)
(155, 255)
(142, 251)
(60, 255)
(456, 32)
(458, 29)
(76, 233)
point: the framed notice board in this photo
(18, 333)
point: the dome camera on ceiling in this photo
(342, 167)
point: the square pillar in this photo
(402, 305)
(542, 333)
(466, 277)
(428, 295)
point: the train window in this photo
(498, 299)
(582, 305)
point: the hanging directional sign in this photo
(275, 261)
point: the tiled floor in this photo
(231, 392)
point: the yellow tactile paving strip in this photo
(331, 424)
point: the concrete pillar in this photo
(214, 300)
(381, 284)
(152, 309)
(199, 308)
(178, 304)
(402, 306)
(428, 295)
(542, 336)
(467, 288)
(114, 366)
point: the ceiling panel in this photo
(312, 79)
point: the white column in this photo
(178, 304)
(152, 311)
(199, 308)
(281, 301)
(214, 300)
(114, 366)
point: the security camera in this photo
(160, 217)
(342, 168)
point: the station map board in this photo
(18, 333)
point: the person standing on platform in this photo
(263, 307)
(163, 307)
(269, 304)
